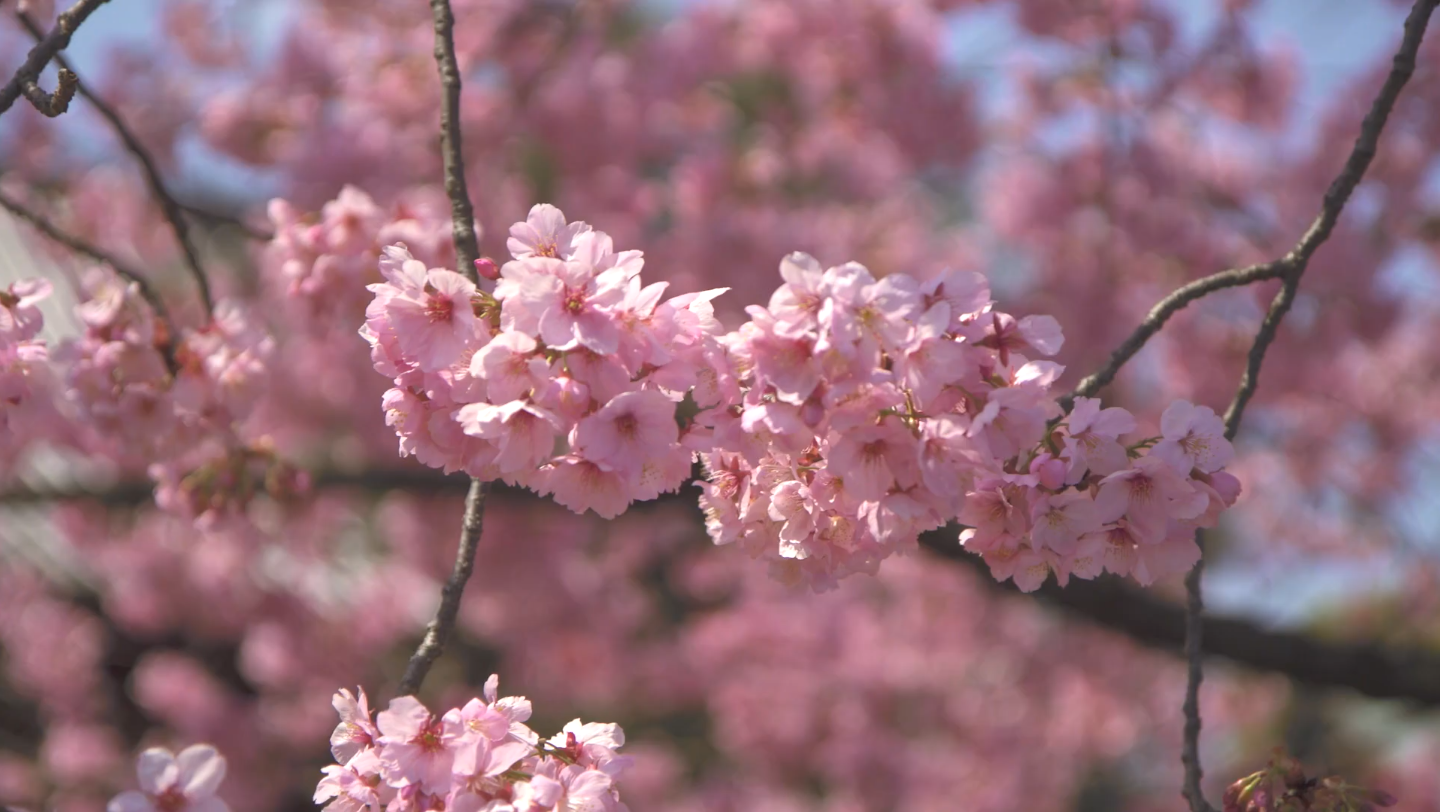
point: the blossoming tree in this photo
(889, 351)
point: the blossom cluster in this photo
(480, 757)
(24, 368)
(324, 260)
(862, 412)
(563, 376)
(177, 403)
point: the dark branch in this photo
(1194, 675)
(1380, 672)
(1161, 313)
(168, 205)
(85, 249)
(439, 630)
(1294, 264)
(45, 50)
(467, 250)
(54, 104)
(467, 246)
(253, 232)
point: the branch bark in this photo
(467, 250)
(1294, 265)
(172, 209)
(53, 43)
(1375, 671)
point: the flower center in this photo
(171, 800)
(439, 309)
(574, 300)
(627, 426)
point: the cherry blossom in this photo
(171, 783)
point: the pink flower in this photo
(20, 319)
(964, 293)
(168, 783)
(1059, 520)
(796, 304)
(510, 367)
(524, 432)
(1091, 442)
(1173, 556)
(873, 459)
(349, 790)
(996, 513)
(544, 234)
(1149, 495)
(356, 730)
(435, 324)
(629, 430)
(787, 364)
(412, 747)
(930, 359)
(568, 303)
(480, 736)
(581, 485)
(1194, 438)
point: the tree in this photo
(233, 536)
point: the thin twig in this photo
(253, 232)
(45, 50)
(83, 248)
(467, 246)
(439, 630)
(1161, 313)
(1295, 264)
(168, 205)
(54, 104)
(467, 250)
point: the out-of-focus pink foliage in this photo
(718, 139)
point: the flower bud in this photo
(486, 268)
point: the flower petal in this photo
(202, 768)
(156, 770)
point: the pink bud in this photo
(1051, 471)
(487, 269)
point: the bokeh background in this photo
(1087, 156)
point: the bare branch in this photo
(439, 630)
(1376, 671)
(45, 50)
(1295, 264)
(467, 246)
(52, 104)
(85, 249)
(467, 250)
(1194, 675)
(1161, 313)
(168, 205)
(253, 232)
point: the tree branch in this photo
(168, 204)
(467, 246)
(439, 630)
(1379, 672)
(1161, 313)
(1295, 263)
(253, 232)
(45, 50)
(54, 104)
(467, 250)
(79, 246)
